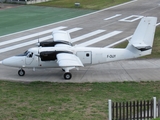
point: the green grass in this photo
(156, 45)
(68, 101)
(29, 16)
(26, 17)
(85, 4)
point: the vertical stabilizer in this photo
(143, 36)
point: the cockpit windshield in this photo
(28, 54)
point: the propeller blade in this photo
(38, 44)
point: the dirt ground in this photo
(7, 6)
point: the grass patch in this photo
(28, 16)
(156, 45)
(85, 4)
(66, 101)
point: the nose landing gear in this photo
(21, 72)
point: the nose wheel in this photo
(67, 76)
(21, 72)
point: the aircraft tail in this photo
(142, 39)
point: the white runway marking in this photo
(33, 41)
(87, 35)
(157, 24)
(120, 41)
(113, 17)
(73, 30)
(90, 42)
(111, 45)
(30, 36)
(131, 18)
(98, 39)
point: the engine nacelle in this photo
(51, 55)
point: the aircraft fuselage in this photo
(45, 57)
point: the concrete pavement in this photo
(128, 70)
(122, 18)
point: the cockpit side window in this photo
(30, 54)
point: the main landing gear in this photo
(67, 76)
(21, 72)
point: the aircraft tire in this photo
(21, 72)
(67, 76)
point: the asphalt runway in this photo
(104, 28)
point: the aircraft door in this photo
(85, 56)
(29, 58)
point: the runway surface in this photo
(98, 29)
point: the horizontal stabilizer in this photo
(142, 46)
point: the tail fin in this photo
(143, 37)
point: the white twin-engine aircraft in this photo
(60, 53)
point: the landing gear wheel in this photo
(67, 76)
(21, 72)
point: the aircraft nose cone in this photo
(13, 61)
(8, 61)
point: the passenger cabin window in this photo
(87, 55)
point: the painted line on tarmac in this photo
(101, 38)
(111, 45)
(120, 41)
(134, 18)
(157, 24)
(73, 30)
(117, 15)
(71, 18)
(87, 35)
(30, 36)
(32, 42)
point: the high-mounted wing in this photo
(62, 38)
(68, 60)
